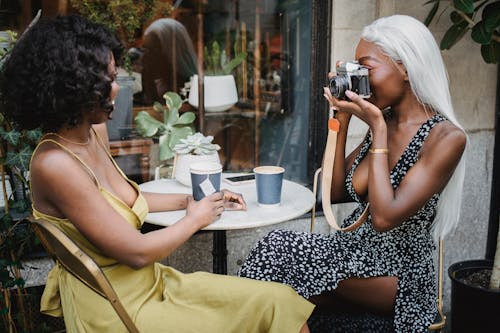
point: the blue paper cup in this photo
(205, 178)
(269, 181)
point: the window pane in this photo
(269, 124)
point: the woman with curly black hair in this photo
(61, 76)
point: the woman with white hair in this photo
(410, 170)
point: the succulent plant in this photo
(197, 144)
(171, 130)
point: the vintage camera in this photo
(350, 76)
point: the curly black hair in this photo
(57, 71)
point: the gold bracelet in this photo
(379, 150)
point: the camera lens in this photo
(338, 86)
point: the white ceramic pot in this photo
(182, 163)
(220, 92)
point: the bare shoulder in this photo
(50, 162)
(445, 139)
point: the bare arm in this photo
(77, 198)
(389, 207)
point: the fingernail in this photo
(349, 93)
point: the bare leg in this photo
(304, 329)
(376, 294)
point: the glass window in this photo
(271, 122)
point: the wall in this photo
(473, 89)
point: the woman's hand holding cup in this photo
(206, 210)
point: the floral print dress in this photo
(315, 263)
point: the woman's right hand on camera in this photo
(205, 211)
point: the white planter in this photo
(220, 92)
(182, 163)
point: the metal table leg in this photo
(219, 252)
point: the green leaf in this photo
(165, 150)
(12, 137)
(491, 16)
(147, 126)
(171, 118)
(173, 100)
(480, 34)
(158, 107)
(223, 59)
(466, 6)
(432, 13)
(491, 52)
(33, 135)
(179, 133)
(228, 68)
(186, 118)
(453, 35)
(19, 159)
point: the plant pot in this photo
(220, 92)
(473, 309)
(122, 115)
(182, 163)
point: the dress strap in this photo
(70, 152)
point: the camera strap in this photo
(326, 181)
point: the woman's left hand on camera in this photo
(340, 105)
(365, 110)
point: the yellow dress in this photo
(162, 299)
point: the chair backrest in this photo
(79, 264)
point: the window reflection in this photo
(270, 122)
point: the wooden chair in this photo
(78, 263)
(440, 321)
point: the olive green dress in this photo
(162, 299)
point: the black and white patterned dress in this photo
(314, 263)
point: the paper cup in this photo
(205, 178)
(269, 181)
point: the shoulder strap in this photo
(326, 181)
(69, 151)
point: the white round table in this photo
(296, 200)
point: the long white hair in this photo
(405, 39)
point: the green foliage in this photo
(173, 128)
(125, 18)
(16, 237)
(464, 16)
(217, 61)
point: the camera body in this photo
(350, 76)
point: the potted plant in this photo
(220, 87)
(173, 128)
(192, 149)
(475, 289)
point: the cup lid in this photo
(268, 169)
(205, 167)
